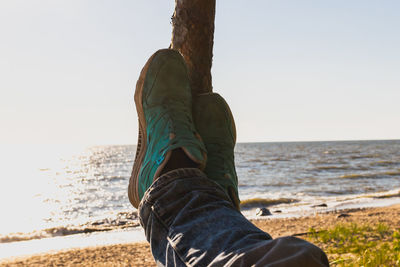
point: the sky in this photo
(291, 70)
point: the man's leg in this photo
(191, 218)
(190, 221)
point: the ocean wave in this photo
(122, 221)
(370, 175)
(329, 168)
(331, 161)
(265, 202)
(366, 156)
(280, 159)
(277, 184)
(390, 195)
(385, 163)
(342, 192)
(254, 160)
(339, 168)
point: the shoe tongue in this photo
(195, 154)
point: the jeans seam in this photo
(168, 233)
(176, 251)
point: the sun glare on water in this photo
(32, 176)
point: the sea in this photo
(60, 197)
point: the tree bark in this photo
(193, 37)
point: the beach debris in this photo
(343, 215)
(127, 215)
(309, 233)
(277, 211)
(122, 219)
(323, 205)
(263, 212)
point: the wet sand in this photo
(138, 254)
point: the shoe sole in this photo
(133, 193)
(217, 98)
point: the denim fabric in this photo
(190, 221)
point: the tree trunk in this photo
(193, 37)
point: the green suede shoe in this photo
(214, 121)
(164, 106)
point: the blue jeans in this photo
(189, 221)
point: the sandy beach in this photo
(138, 254)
